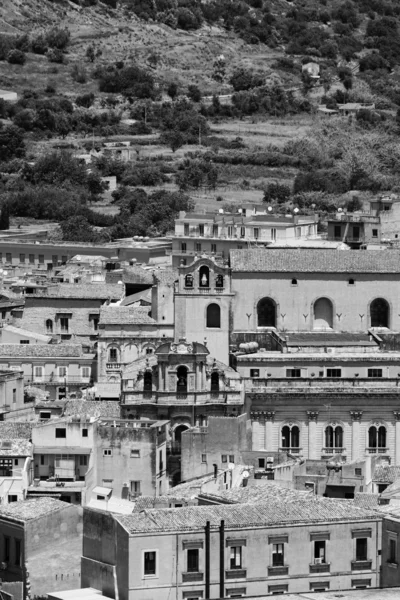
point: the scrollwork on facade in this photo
(356, 415)
(312, 415)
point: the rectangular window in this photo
(31, 259)
(319, 551)
(107, 452)
(236, 557)
(375, 233)
(84, 432)
(224, 458)
(201, 229)
(62, 371)
(85, 371)
(83, 460)
(392, 551)
(24, 341)
(361, 549)
(293, 372)
(64, 324)
(64, 259)
(375, 372)
(213, 247)
(356, 233)
(61, 432)
(186, 228)
(278, 557)
(358, 472)
(215, 230)
(332, 373)
(193, 560)
(204, 458)
(12, 498)
(54, 259)
(7, 546)
(230, 231)
(273, 234)
(41, 259)
(254, 372)
(22, 258)
(243, 232)
(231, 458)
(298, 231)
(135, 453)
(198, 247)
(261, 463)
(8, 257)
(135, 488)
(43, 460)
(338, 231)
(113, 356)
(256, 233)
(150, 563)
(14, 396)
(160, 461)
(17, 553)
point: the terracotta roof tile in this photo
(386, 474)
(15, 430)
(15, 447)
(92, 408)
(27, 510)
(126, 315)
(315, 261)
(41, 350)
(98, 291)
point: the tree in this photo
(194, 93)
(58, 37)
(12, 143)
(172, 90)
(90, 53)
(16, 57)
(175, 139)
(78, 229)
(5, 217)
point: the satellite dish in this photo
(245, 474)
(231, 466)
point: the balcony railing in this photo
(187, 577)
(361, 565)
(113, 366)
(236, 574)
(333, 450)
(312, 383)
(56, 380)
(377, 450)
(291, 450)
(191, 398)
(320, 568)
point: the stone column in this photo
(355, 433)
(269, 427)
(312, 434)
(397, 439)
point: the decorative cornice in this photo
(258, 415)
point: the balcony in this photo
(174, 398)
(377, 450)
(320, 568)
(291, 450)
(236, 574)
(187, 577)
(315, 384)
(361, 565)
(331, 451)
(55, 380)
(114, 366)
(278, 571)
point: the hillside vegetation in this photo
(218, 101)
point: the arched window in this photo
(334, 436)
(214, 382)
(379, 311)
(266, 313)
(377, 437)
(204, 277)
(213, 316)
(291, 438)
(148, 381)
(181, 383)
(49, 326)
(219, 281)
(178, 432)
(323, 314)
(113, 355)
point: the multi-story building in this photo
(40, 545)
(63, 458)
(15, 469)
(355, 229)
(218, 233)
(130, 457)
(58, 369)
(12, 402)
(290, 543)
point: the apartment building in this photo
(355, 229)
(15, 469)
(218, 233)
(291, 543)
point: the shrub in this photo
(78, 73)
(277, 192)
(194, 93)
(16, 57)
(55, 55)
(7, 43)
(58, 38)
(39, 44)
(86, 100)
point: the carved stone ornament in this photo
(356, 415)
(312, 415)
(182, 348)
(396, 415)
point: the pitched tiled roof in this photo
(307, 509)
(137, 274)
(15, 447)
(386, 474)
(15, 430)
(98, 291)
(125, 315)
(27, 510)
(167, 276)
(41, 350)
(92, 408)
(315, 261)
(366, 500)
(143, 297)
(256, 493)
